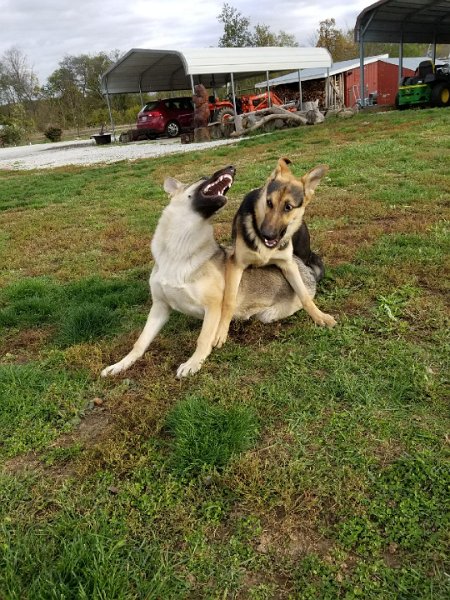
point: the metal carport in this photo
(145, 70)
(403, 21)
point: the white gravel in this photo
(86, 152)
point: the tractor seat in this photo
(425, 68)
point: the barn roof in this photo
(146, 70)
(336, 68)
(407, 21)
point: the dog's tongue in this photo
(270, 243)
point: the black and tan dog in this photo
(189, 272)
(268, 229)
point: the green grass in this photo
(81, 311)
(206, 435)
(299, 462)
(39, 400)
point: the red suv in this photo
(167, 116)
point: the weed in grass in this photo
(392, 308)
(405, 506)
(319, 579)
(62, 455)
(86, 322)
(208, 435)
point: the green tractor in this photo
(430, 86)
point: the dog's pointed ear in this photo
(282, 168)
(172, 186)
(312, 179)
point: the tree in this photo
(237, 32)
(342, 46)
(263, 36)
(74, 89)
(339, 44)
(63, 91)
(18, 83)
(236, 28)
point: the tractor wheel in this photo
(224, 115)
(172, 129)
(440, 94)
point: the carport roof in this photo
(407, 21)
(142, 70)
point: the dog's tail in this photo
(316, 264)
(302, 249)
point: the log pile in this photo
(276, 117)
(311, 90)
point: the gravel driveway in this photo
(86, 152)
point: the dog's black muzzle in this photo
(211, 194)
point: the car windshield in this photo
(149, 106)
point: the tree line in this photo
(71, 98)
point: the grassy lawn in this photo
(300, 462)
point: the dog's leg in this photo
(204, 342)
(290, 271)
(233, 276)
(157, 318)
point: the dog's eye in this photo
(269, 203)
(288, 207)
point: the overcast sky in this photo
(47, 30)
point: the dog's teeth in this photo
(220, 186)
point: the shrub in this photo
(53, 133)
(11, 135)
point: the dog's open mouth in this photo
(210, 195)
(219, 183)
(270, 243)
(271, 238)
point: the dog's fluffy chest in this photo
(180, 249)
(182, 297)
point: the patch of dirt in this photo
(288, 539)
(94, 427)
(23, 345)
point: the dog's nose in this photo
(269, 233)
(232, 169)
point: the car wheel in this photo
(440, 94)
(173, 129)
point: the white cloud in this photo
(48, 30)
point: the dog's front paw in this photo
(113, 369)
(221, 337)
(189, 368)
(324, 320)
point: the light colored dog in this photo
(268, 229)
(189, 272)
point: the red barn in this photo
(381, 79)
